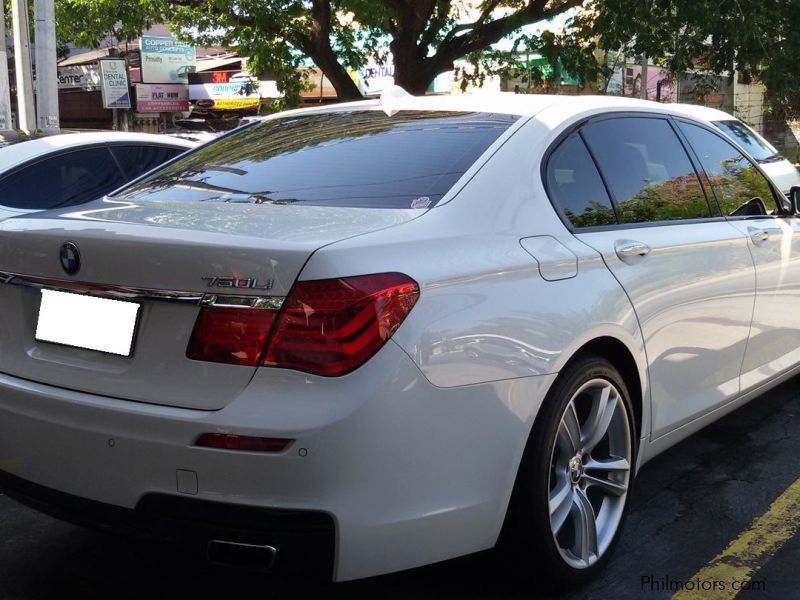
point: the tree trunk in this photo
(346, 88)
(318, 46)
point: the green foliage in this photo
(758, 38)
(280, 36)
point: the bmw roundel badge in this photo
(70, 258)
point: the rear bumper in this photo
(408, 473)
(304, 540)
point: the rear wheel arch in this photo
(618, 354)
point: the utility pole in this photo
(22, 62)
(644, 77)
(44, 15)
(5, 92)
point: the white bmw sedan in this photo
(363, 338)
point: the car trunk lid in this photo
(166, 257)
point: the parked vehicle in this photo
(74, 168)
(362, 338)
(782, 172)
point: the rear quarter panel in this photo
(485, 313)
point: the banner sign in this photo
(230, 90)
(114, 78)
(156, 98)
(84, 77)
(166, 60)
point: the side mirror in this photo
(794, 199)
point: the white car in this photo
(782, 172)
(74, 168)
(362, 338)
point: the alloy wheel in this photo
(590, 470)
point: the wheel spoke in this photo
(569, 432)
(599, 418)
(615, 464)
(613, 488)
(585, 526)
(560, 505)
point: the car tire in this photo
(571, 486)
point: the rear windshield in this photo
(351, 159)
(755, 146)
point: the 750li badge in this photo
(251, 283)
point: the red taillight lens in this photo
(243, 443)
(333, 326)
(230, 334)
(326, 327)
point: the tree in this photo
(425, 37)
(758, 38)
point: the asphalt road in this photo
(688, 505)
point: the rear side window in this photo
(357, 159)
(647, 170)
(66, 179)
(737, 183)
(755, 146)
(137, 160)
(574, 185)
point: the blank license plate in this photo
(81, 321)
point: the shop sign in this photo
(157, 98)
(114, 79)
(166, 60)
(84, 77)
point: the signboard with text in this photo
(85, 77)
(230, 90)
(114, 80)
(156, 97)
(166, 60)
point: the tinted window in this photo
(734, 179)
(647, 169)
(136, 160)
(574, 185)
(747, 139)
(63, 180)
(360, 159)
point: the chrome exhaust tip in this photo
(237, 554)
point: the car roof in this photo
(697, 111)
(523, 105)
(17, 153)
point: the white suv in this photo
(368, 337)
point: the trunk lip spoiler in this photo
(134, 294)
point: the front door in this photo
(746, 197)
(687, 272)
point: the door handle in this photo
(627, 250)
(758, 236)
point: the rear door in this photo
(747, 198)
(687, 271)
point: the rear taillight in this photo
(230, 334)
(326, 327)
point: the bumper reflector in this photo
(243, 443)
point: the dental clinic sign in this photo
(114, 83)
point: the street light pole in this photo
(46, 69)
(5, 93)
(22, 63)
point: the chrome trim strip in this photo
(263, 302)
(141, 294)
